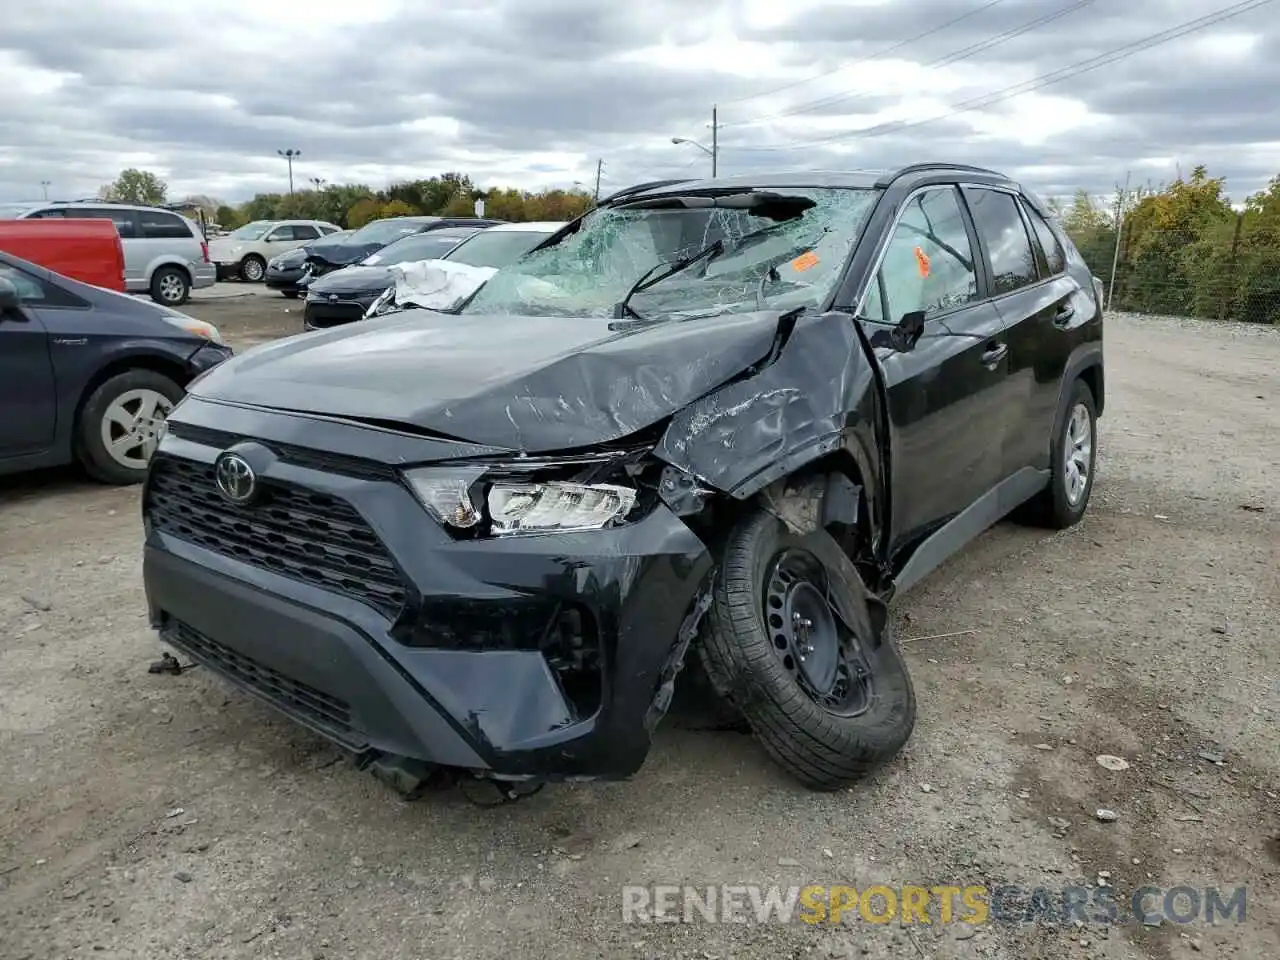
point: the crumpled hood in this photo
(353, 279)
(537, 384)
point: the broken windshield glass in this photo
(806, 235)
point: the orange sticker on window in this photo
(922, 262)
(806, 261)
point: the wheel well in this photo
(175, 266)
(1093, 379)
(164, 366)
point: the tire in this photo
(252, 269)
(1055, 507)
(823, 747)
(104, 415)
(170, 286)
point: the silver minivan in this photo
(165, 253)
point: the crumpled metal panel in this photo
(753, 431)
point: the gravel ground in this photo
(160, 816)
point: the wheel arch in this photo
(168, 260)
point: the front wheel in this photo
(800, 647)
(119, 426)
(253, 269)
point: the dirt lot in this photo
(1148, 632)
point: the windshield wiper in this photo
(660, 272)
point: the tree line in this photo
(352, 205)
(1183, 249)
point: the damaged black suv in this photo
(714, 424)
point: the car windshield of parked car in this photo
(420, 246)
(496, 248)
(384, 231)
(781, 248)
(252, 231)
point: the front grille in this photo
(322, 314)
(308, 536)
(292, 696)
(301, 456)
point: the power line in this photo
(964, 53)
(875, 56)
(1045, 80)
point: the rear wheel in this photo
(799, 647)
(1072, 458)
(120, 423)
(253, 269)
(170, 286)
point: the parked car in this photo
(344, 295)
(165, 254)
(504, 244)
(716, 422)
(285, 271)
(88, 374)
(243, 254)
(372, 237)
(86, 250)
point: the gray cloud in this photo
(532, 92)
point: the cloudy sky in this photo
(533, 92)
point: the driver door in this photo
(944, 393)
(28, 402)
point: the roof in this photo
(529, 226)
(799, 179)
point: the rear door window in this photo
(159, 225)
(304, 231)
(126, 223)
(1000, 225)
(46, 214)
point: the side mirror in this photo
(908, 330)
(9, 299)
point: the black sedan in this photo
(90, 375)
(325, 256)
(285, 271)
(345, 295)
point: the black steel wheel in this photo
(800, 647)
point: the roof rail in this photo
(889, 178)
(641, 187)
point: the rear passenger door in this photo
(1036, 299)
(126, 222)
(947, 393)
(28, 401)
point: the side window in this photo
(304, 231)
(996, 217)
(126, 226)
(279, 233)
(45, 214)
(159, 225)
(928, 264)
(328, 229)
(30, 290)
(1053, 252)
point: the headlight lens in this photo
(539, 507)
(451, 496)
(193, 326)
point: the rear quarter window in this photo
(159, 225)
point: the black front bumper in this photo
(439, 671)
(321, 313)
(285, 280)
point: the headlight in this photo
(193, 326)
(450, 494)
(537, 507)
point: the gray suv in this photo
(165, 253)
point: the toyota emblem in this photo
(235, 478)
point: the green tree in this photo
(397, 208)
(228, 217)
(363, 211)
(136, 186)
(261, 207)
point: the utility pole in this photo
(1115, 257)
(599, 171)
(44, 187)
(715, 140)
(1228, 293)
(289, 155)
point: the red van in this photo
(86, 250)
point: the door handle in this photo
(995, 352)
(1064, 314)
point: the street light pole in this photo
(715, 140)
(705, 149)
(317, 182)
(44, 187)
(289, 155)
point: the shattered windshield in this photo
(782, 248)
